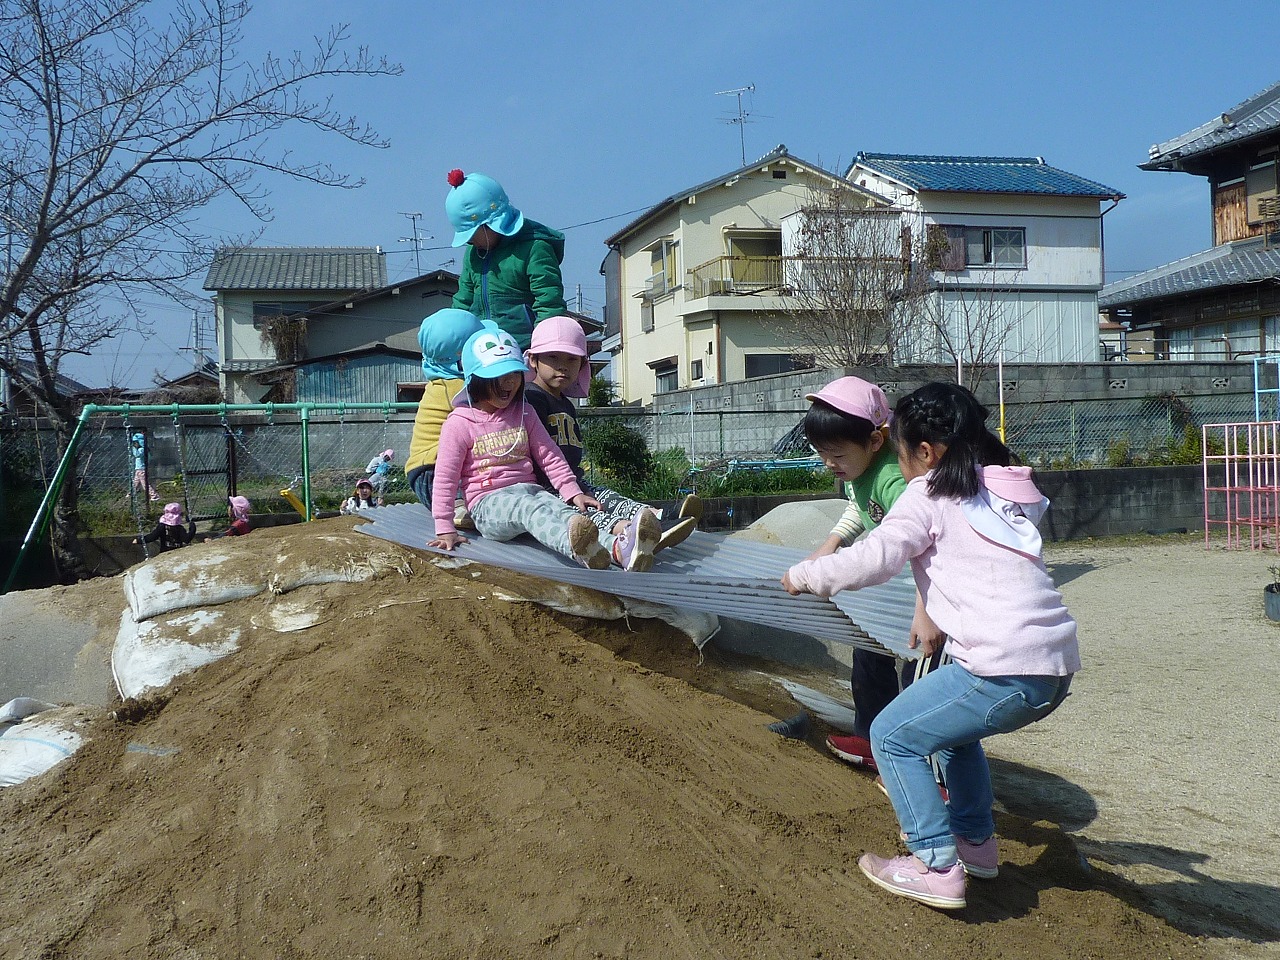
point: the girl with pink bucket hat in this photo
(559, 369)
(170, 532)
(847, 427)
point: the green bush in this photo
(618, 453)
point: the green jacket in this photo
(517, 283)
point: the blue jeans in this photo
(420, 480)
(948, 712)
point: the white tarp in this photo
(205, 576)
(39, 742)
(148, 655)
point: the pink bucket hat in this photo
(1012, 483)
(561, 335)
(857, 398)
(239, 507)
(172, 516)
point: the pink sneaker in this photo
(908, 877)
(854, 749)
(980, 860)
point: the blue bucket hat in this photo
(478, 201)
(442, 337)
(489, 354)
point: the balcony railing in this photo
(727, 276)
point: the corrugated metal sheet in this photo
(368, 379)
(730, 577)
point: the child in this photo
(138, 446)
(489, 446)
(379, 470)
(847, 429)
(511, 270)
(559, 369)
(170, 532)
(966, 523)
(441, 337)
(362, 499)
(238, 512)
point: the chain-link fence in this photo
(199, 460)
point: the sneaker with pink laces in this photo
(980, 860)
(633, 550)
(908, 877)
(856, 750)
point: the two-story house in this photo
(318, 323)
(1222, 303)
(695, 286)
(1014, 253)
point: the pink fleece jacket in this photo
(999, 609)
(481, 452)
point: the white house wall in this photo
(701, 225)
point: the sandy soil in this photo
(433, 772)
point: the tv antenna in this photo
(741, 118)
(414, 218)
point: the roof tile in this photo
(1022, 175)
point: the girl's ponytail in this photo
(949, 415)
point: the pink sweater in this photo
(999, 609)
(482, 452)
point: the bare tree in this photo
(120, 121)
(873, 286)
(847, 272)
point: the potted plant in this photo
(1271, 595)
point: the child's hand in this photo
(924, 632)
(582, 501)
(447, 541)
(789, 586)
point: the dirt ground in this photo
(431, 771)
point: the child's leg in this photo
(614, 509)
(874, 682)
(525, 508)
(949, 711)
(420, 482)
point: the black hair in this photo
(481, 389)
(825, 425)
(950, 415)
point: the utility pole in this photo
(413, 219)
(741, 118)
(579, 307)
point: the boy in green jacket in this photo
(511, 269)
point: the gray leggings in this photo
(527, 508)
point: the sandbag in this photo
(210, 575)
(19, 708)
(44, 739)
(148, 655)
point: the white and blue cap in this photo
(479, 201)
(489, 354)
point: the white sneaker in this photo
(585, 543)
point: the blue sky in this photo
(588, 113)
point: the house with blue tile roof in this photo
(1011, 252)
(1222, 303)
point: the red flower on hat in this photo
(456, 177)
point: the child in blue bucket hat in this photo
(511, 269)
(488, 447)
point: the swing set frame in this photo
(40, 522)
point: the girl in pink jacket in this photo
(967, 525)
(488, 446)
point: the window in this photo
(662, 269)
(767, 364)
(1259, 186)
(666, 379)
(695, 370)
(954, 247)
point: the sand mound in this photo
(429, 771)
